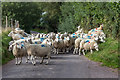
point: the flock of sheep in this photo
(33, 46)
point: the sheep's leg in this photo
(26, 59)
(63, 50)
(16, 60)
(48, 60)
(79, 52)
(70, 48)
(57, 51)
(83, 52)
(42, 60)
(20, 60)
(74, 51)
(32, 59)
(67, 50)
(35, 57)
(91, 51)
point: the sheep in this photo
(19, 31)
(51, 35)
(96, 29)
(100, 34)
(15, 36)
(83, 36)
(90, 46)
(58, 44)
(47, 41)
(65, 34)
(74, 36)
(72, 41)
(24, 34)
(19, 51)
(38, 35)
(88, 43)
(67, 43)
(39, 50)
(79, 31)
(92, 36)
(57, 36)
(77, 44)
(11, 42)
(16, 29)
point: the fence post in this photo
(18, 24)
(15, 23)
(11, 23)
(6, 22)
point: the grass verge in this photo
(108, 53)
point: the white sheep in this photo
(95, 29)
(67, 43)
(19, 31)
(39, 50)
(15, 36)
(100, 34)
(58, 44)
(77, 45)
(88, 44)
(19, 51)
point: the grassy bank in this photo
(108, 53)
(6, 55)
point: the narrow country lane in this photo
(60, 66)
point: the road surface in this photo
(60, 66)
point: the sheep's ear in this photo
(25, 41)
(16, 43)
(30, 41)
(13, 31)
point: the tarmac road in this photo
(60, 66)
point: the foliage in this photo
(108, 53)
(40, 31)
(6, 55)
(30, 13)
(90, 15)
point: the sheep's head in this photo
(68, 38)
(10, 34)
(78, 27)
(102, 37)
(18, 45)
(95, 37)
(28, 41)
(11, 47)
(101, 26)
(49, 42)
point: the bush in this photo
(6, 55)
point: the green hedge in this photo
(6, 55)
